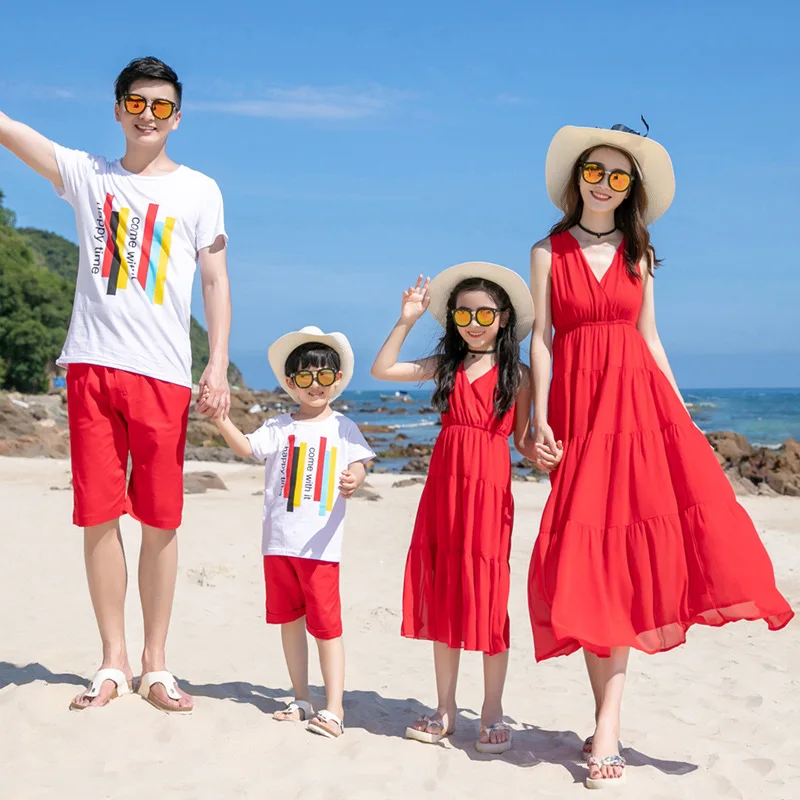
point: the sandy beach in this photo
(716, 718)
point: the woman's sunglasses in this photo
(136, 104)
(593, 172)
(483, 316)
(305, 378)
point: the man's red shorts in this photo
(114, 414)
(298, 587)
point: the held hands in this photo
(215, 394)
(415, 301)
(348, 483)
(549, 452)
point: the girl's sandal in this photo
(425, 735)
(301, 708)
(494, 748)
(606, 783)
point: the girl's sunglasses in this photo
(483, 316)
(305, 378)
(593, 172)
(136, 104)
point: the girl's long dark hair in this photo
(629, 216)
(452, 349)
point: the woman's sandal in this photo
(425, 735)
(167, 680)
(606, 783)
(301, 707)
(587, 747)
(116, 676)
(317, 724)
(493, 747)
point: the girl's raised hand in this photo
(415, 300)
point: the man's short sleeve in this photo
(211, 219)
(74, 166)
(264, 441)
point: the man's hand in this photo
(215, 394)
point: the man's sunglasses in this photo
(593, 172)
(305, 378)
(136, 104)
(485, 317)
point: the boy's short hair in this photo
(149, 68)
(313, 355)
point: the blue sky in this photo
(358, 144)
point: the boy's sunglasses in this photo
(136, 104)
(305, 378)
(593, 172)
(483, 316)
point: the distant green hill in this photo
(37, 283)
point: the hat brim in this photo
(514, 285)
(280, 349)
(652, 162)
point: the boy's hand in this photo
(348, 483)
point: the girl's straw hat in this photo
(515, 287)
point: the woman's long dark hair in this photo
(629, 216)
(452, 349)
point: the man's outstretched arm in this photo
(30, 146)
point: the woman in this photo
(641, 536)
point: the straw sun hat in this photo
(653, 165)
(515, 287)
(279, 351)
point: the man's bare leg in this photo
(158, 570)
(107, 575)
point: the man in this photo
(144, 223)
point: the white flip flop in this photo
(167, 680)
(116, 676)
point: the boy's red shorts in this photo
(114, 414)
(298, 587)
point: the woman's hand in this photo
(549, 452)
(415, 301)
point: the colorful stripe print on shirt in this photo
(310, 475)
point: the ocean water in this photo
(766, 417)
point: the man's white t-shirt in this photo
(139, 237)
(303, 510)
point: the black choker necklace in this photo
(595, 233)
(481, 352)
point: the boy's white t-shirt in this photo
(303, 510)
(139, 237)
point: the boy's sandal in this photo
(321, 723)
(425, 735)
(490, 746)
(116, 676)
(167, 680)
(302, 708)
(606, 783)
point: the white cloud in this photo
(307, 103)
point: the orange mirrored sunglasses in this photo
(483, 316)
(593, 172)
(136, 104)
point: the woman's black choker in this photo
(595, 233)
(481, 352)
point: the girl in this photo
(456, 584)
(641, 536)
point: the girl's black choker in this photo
(595, 233)
(481, 352)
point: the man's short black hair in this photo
(312, 355)
(148, 68)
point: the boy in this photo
(303, 514)
(144, 223)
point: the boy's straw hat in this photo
(279, 351)
(653, 165)
(514, 285)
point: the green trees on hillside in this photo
(37, 284)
